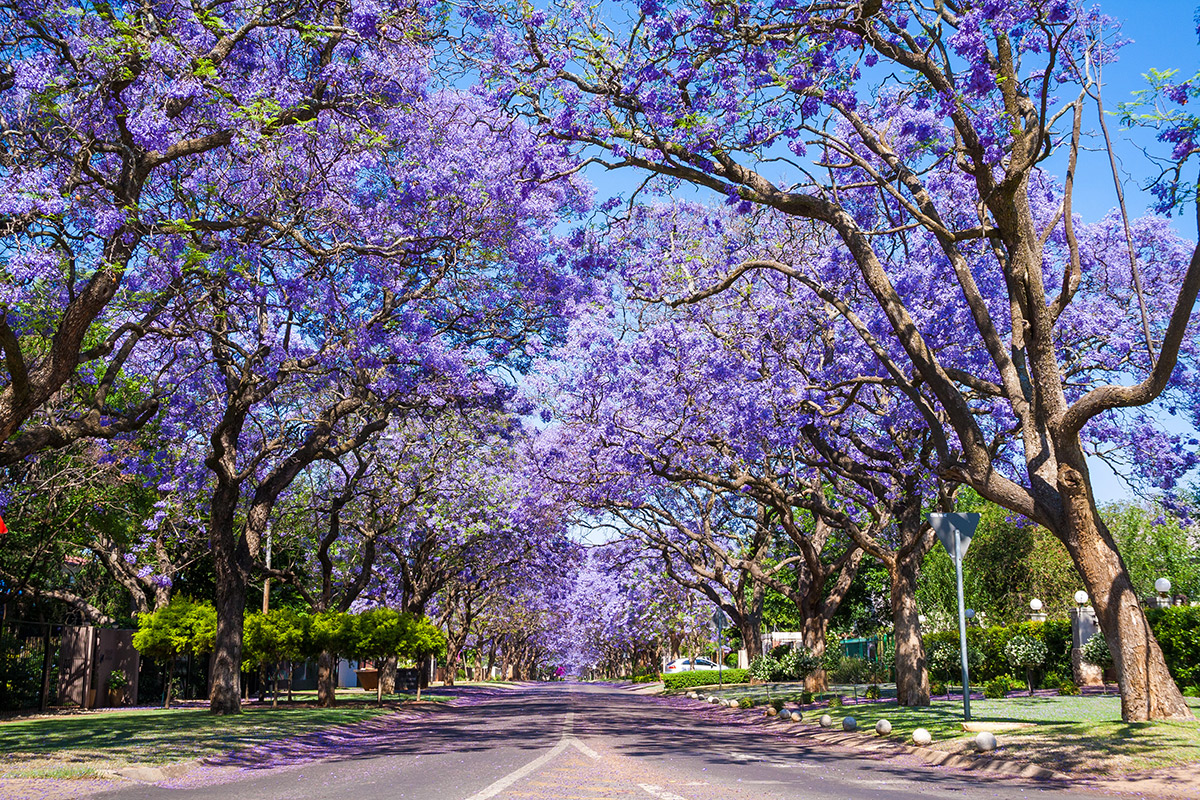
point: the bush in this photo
(1178, 632)
(1191, 691)
(746, 702)
(777, 704)
(686, 680)
(651, 678)
(1095, 651)
(806, 697)
(1025, 652)
(995, 688)
(851, 670)
(937, 688)
(989, 660)
(835, 701)
(872, 692)
(794, 663)
(1067, 688)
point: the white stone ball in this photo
(826, 721)
(796, 716)
(731, 703)
(849, 724)
(985, 742)
(921, 737)
(712, 699)
(772, 711)
(883, 727)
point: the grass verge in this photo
(78, 746)
(1071, 734)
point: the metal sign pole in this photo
(954, 531)
(962, 629)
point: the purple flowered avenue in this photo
(946, 149)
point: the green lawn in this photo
(1076, 734)
(78, 745)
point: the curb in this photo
(931, 756)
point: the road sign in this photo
(945, 526)
(720, 620)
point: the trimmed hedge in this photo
(1178, 632)
(699, 677)
(990, 644)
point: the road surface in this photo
(580, 742)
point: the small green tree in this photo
(1026, 652)
(380, 633)
(422, 639)
(281, 635)
(181, 626)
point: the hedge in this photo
(990, 643)
(703, 677)
(1178, 632)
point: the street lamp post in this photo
(1035, 608)
(1163, 587)
(954, 531)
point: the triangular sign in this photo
(946, 525)
(3, 527)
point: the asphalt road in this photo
(583, 742)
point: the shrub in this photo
(872, 692)
(835, 701)
(686, 680)
(795, 663)
(1025, 652)
(746, 702)
(995, 688)
(1067, 688)
(1095, 651)
(777, 704)
(937, 687)
(1051, 680)
(851, 670)
(806, 697)
(1178, 632)
(651, 678)
(1191, 691)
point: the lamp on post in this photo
(1163, 587)
(1035, 611)
(1081, 598)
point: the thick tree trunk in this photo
(326, 680)
(815, 627)
(1147, 689)
(912, 680)
(231, 557)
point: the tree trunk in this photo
(451, 667)
(1147, 689)
(815, 627)
(912, 679)
(231, 558)
(326, 680)
(169, 669)
(387, 675)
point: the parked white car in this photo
(687, 665)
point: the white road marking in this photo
(568, 740)
(659, 792)
(516, 775)
(583, 748)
